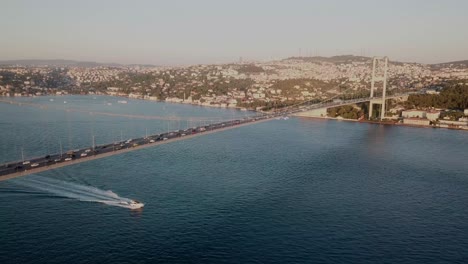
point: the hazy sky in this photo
(208, 31)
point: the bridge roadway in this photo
(345, 102)
(35, 165)
(49, 162)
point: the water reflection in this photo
(137, 213)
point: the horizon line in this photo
(220, 63)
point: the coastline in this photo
(380, 123)
(244, 109)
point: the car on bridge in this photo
(84, 152)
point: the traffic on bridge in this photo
(48, 162)
(38, 164)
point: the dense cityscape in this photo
(260, 86)
(308, 131)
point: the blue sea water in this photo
(284, 191)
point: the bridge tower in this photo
(378, 63)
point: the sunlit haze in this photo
(213, 31)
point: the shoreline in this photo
(380, 123)
(243, 109)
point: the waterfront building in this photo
(321, 112)
(450, 123)
(433, 115)
(416, 121)
(413, 113)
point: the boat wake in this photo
(76, 191)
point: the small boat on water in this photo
(133, 204)
(122, 102)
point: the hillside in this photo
(453, 64)
(334, 59)
(65, 63)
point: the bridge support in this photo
(376, 101)
(376, 62)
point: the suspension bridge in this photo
(204, 126)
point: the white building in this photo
(135, 95)
(321, 112)
(413, 113)
(433, 115)
(113, 89)
(416, 121)
(258, 95)
(432, 91)
(453, 123)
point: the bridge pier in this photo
(377, 101)
(375, 62)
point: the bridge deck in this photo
(44, 164)
(124, 150)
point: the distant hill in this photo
(55, 63)
(455, 64)
(335, 59)
(66, 63)
(346, 59)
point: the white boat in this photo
(133, 204)
(122, 102)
